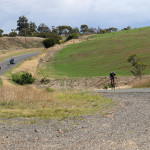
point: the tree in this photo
(92, 30)
(84, 28)
(138, 66)
(43, 28)
(64, 30)
(113, 29)
(1, 32)
(22, 23)
(76, 30)
(127, 28)
(54, 30)
(32, 27)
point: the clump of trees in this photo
(137, 66)
(26, 28)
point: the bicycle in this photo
(113, 84)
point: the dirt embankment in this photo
(13, 43)
(90, 83)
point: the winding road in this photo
(18, 59)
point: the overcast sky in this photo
(94, 13)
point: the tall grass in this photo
(26, 101)
(143, 84)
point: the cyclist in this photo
(112, 78)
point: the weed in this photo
(50, 89)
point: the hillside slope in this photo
(20, 42)
(101, 55)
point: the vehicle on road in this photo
(11, 61)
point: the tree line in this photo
(26, 28)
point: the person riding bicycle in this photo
(112, 78)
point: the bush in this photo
(57, 37)
(12, 34)
(44, 81)
(72, 36)
(23, 78)
(106, 86)
(49, 42)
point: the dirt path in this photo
(127, 127)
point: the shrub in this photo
(44, 81)
(49, 42)
(105, 86)
(23, 78)
(57, 37)
(42, 34)
(12, 34)
(72, 36)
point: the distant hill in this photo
(20, 42)
(101, 54)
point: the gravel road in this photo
(126, 127)
(18, 59)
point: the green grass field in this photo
(101, 55)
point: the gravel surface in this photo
(18, 59)
(126, 127)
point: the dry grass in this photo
(19, 42)
(142, 84)
(28, 101)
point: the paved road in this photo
(18, 59)
(136, 90)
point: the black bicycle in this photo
(113, 84)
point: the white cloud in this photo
(104, 13)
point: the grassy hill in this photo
(101, 55)
(20, 43)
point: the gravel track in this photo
(126, 127)
(18, 59)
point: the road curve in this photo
(18, 59)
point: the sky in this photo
(94, 13)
